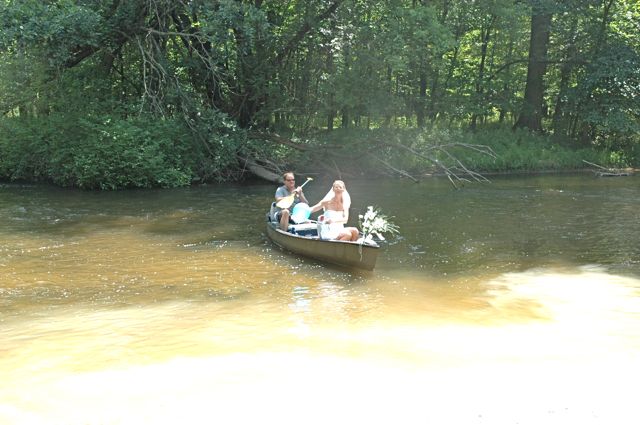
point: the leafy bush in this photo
(109, 152)
(102, 153)
(115, 153)
(23, 155)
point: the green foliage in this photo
(525, 151)
(108, 152)
(139, 93)
(218, 144)
(103, 153)
(23, 151)
(54, 29)
(612, 96)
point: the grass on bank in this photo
(526, 152)
(515, 151)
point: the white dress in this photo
(331, 230)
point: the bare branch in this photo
(450, 172)
(401, 172)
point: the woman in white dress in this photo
(336, 205)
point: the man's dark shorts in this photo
(279, 215)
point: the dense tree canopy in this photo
(192, 90)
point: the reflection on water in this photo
(542, 346)
(506, 303)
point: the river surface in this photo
(512, 302)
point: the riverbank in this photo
(627, 172)
(459, 153)
(164, 156)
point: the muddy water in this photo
(512, 302)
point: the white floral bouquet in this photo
(374, 223)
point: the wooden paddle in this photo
(288, 200)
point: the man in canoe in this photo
(288, 194)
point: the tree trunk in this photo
(331, 113)
(431, 107)
(331, 116)
(485, 34)
(560, 124)
(422, 97)
(388, 115)
(532, 110)
(345, 118)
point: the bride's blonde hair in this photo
(346, 198)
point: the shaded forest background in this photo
(140, 93)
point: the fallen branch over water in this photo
(608, 172)
(391, 167)
(321, 156)
(453, 173)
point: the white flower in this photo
(375, 223)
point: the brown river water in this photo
(512, 302)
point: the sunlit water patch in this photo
(541, 346)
